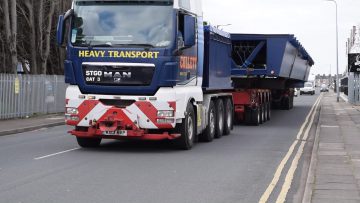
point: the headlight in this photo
(165, 114)
(72, 111)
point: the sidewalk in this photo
(335, 168)
(14, 126)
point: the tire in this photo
(248, 116)
(229, 116)
(266, 111)
(256, 116)
(187, 130)
(88, 142)
(209, 132)
(220, 112)
(263, 113)
(268, 115)
(286, 103)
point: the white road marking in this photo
(58, 153)
(265, 197)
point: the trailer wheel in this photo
(209, 132)
(263, 114)
(286, 104)
(229, 117)
(268, 115)
(187, 130)
(256, 116)
(248, 116)
(220, 113)
(88, 142)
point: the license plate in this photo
(116, 133)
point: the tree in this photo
(27, 35)
(10, 25)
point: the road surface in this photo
(47, 166)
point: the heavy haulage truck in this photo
(151, 70)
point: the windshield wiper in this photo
(102, 45)
(136, 45)
(90, 44)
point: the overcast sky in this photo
(312, 22)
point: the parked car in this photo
(296, 92)
(324, 88)
(308, 88)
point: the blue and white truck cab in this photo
(134, 69)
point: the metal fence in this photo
(354, 88)
(26, 95)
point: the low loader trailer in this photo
(151, 70)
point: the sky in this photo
(313, 22)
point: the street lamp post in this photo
(337, 53)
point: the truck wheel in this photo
(187, 130)
(266, 112)
(263, 113)
(88, 142)
(268, 115)
(229, 116)
(256, 116)
(286, 103)
(209, 132)
(248, 116)
(220, 112)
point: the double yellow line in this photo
(290, 174)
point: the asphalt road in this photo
(236, 168)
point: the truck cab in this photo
(133, 67)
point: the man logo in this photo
(117, 75)
(108, 74)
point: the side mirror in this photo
(189, 31)
(61, 26)
(60, 31)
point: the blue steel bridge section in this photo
(280, 56)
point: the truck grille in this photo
(118, 74)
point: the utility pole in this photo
(337, 53)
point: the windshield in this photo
(308, 85)
(121, 24)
